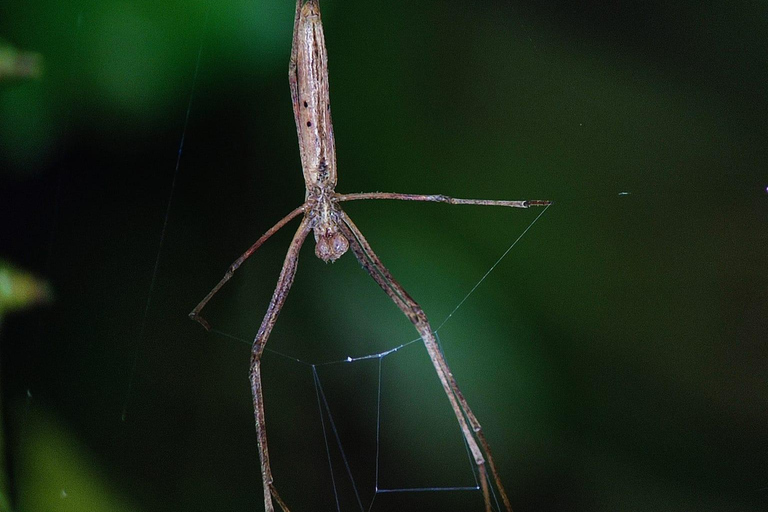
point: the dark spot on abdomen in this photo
(322, 170)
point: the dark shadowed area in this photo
(616, 357)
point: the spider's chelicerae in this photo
(335, 233)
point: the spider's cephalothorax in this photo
(331, 244)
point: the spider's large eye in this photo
(339, 245)
(323, 249)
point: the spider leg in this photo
(284, 283)
(376, 269)
(195, 314)
(440, 199)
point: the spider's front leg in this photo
(275, 305)
(440, 198)
(195, 314)
(464, 415)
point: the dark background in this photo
(616, 357)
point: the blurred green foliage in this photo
(20, 290)
(19, 65)
(58, 472)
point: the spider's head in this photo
(330, 244)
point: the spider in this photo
(335, 233)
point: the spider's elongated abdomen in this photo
(314, 109)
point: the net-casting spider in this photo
(335, 233)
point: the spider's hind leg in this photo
(284, 283)
(464, 415)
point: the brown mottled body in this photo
(308, 77)
(311, 105)
(335, 233)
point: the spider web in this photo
(331, 434)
